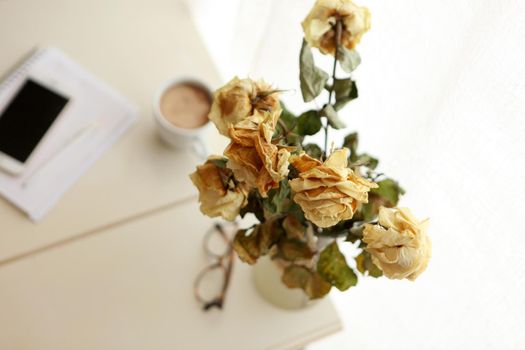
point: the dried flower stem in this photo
(283, 126)
(338, 32)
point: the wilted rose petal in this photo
(239, 99)
(328, 192)
(218, 196)
(253, 158)
(319, 25)
(399, 244)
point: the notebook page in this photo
(93, 119)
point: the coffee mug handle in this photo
(200, 149)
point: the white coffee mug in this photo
(177, 137)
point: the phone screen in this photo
(27, 118)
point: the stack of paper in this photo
(94, 119)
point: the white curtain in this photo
(442, 104)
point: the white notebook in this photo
(95, 118)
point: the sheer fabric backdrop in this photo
(442, 104)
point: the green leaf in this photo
(312, 78)
(246, 245)
(351, 141)
(308, 123)
(390, 190)
(295, 276)
(316, 287)
(386, 194)
(333, 268)
(287, 135)
(343, 88)
(252, 244)
(293, 227)
(369, 211)
(278, 200)
(368, 161)
(313, 150)
(294, 249)
(348, 59)
(335, 231)
(289, 119)
(345, 91)
(355, 233)
(281, 198)
(296, 211)
(219, 162)
(294, 139)
(364, 264)
(333, 119)
(254, 206)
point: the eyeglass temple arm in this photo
(229, 266)
(219, 301)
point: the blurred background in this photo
(442, 105)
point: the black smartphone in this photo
(25, 121)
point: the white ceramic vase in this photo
(267, 277)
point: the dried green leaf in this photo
(286, 129)
(342, 88)
(296, 211)
(295, 276)
(278, 200)
(357, 230)
(368, 161)
(312, 78)
(348, 59)
(308, 123)
(351, 142)
(390, 190)
(252, 244)
(335, 231)
(386, 194)
(289, 119)
(316, 287)
(355, 233)
(254, 206)
(294, 249)
(293, 227)
(345, 91)
(313, 150)
(365, 265)
(370, 210)
(333, 268)
(246, 246)
(219, 162)
(333, 119)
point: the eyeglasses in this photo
(217, 245)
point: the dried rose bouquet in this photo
(303, 194)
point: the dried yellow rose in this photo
(239, 99)
(252, 156)
(219, 195)
(399, 244)
(328, 192)
(319, 25)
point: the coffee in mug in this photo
(181, 110)
(185, 105)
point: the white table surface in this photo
(130, 287)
